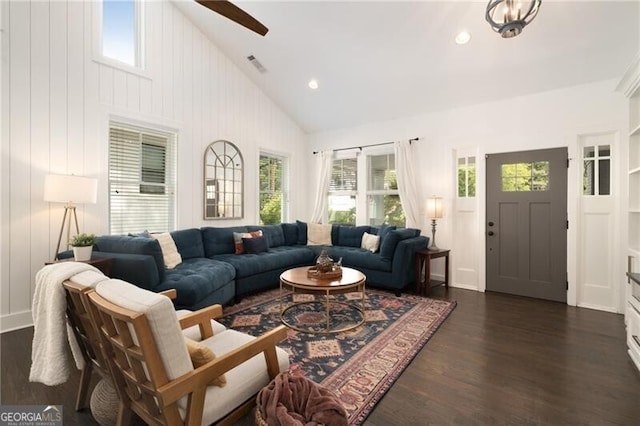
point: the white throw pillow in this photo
(370, 242)
(318, 234)
(169, 250)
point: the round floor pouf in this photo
(104, 403)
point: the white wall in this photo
(545, 120)
(56, 105)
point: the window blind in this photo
(142, 179)
(344, 175)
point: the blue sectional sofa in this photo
(211, 272)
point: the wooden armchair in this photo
(196, 325)
(145, 346)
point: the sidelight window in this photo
(596, 170)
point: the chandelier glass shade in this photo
(509, 17)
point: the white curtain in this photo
(324, 164)
(406, 183)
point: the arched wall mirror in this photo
(223, 181)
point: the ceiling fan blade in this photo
(233, 12)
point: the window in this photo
(523, 177)
(596, 174)
(273, 189)
(142, 170)
(466, 177)
(121, 31)
(382, 191)
(343, 189)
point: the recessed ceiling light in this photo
(463, 37)
(313, 84)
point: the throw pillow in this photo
(370, 242)
(143, 234)
(200, 355)
(255, 245)
(169, 250)
(238, 236)
(302, 232)
(318, 234)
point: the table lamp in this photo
(71, 190)
(434, 211)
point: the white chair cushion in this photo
(89, 278)
(162, 318)
(193, 333)
(243, 381)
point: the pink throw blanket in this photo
(295, 401)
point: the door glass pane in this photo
(471, 177)
(588, 178)
(525, 176)
(589, 151)
(604, 151)
(604, 177)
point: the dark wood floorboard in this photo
(497, 360)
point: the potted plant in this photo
(83, 246)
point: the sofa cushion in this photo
(255, 245)
(219, 240)
(189, 243)
(351, 236)
(302, 233)
(274, 234)
(384, 230)
(388, 245)
(276, 258)
(195, 279)
(290, 232)
(356, 257)
(133, 245)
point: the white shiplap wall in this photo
(56, 104)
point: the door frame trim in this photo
(571, 141)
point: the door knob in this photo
(490, 233)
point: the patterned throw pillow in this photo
(238, 236)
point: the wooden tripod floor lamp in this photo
(71, 190)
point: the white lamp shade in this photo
(70, 189)
(434, 208)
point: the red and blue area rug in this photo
(359, 365)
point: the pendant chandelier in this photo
(509, 17)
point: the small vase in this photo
(82, 254)
(324, 263)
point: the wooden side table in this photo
(103, 264)
(424, 257)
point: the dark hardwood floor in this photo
(498, 359)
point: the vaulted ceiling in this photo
(381, 60)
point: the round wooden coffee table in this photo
(297, 280)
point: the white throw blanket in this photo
(51, 334)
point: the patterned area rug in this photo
(359, 365)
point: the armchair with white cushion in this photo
(143, 341)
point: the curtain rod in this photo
(367, 146)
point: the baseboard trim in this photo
(598, 308)
(16, 321)
(464, 286)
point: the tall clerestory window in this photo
(121, 31)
